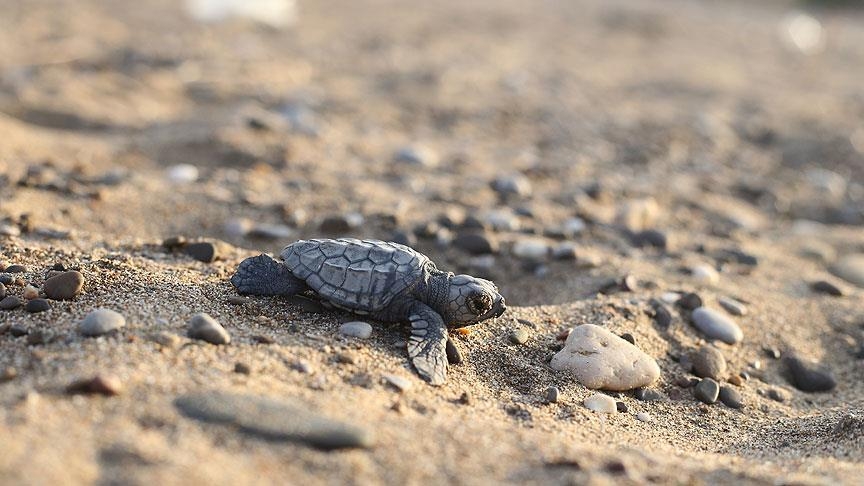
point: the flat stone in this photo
(398, 382)
(600, 403)
(601, 360)
(808, 377)
(101, 321)
(64, 286)
(848, 267)
(357, 329)
(37, 305)
(650, 238)
(10, 302)
(707, 391)
(778, 395)
(203, 251)
(273, 420)
(476, 243)
(205, 328)
(715, 325)
(519, 336)
(708, 362)
(730, 397)
(732, 306)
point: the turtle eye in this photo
(479, 304)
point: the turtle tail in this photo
(262, 275)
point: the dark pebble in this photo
(686, 381)
(738, 256)
(37, 305)
(174, 242)
(621, 407)
(205, 328)
(808, 377)
(647, 394)
(6, 279)
(476, 243)
(10, 302)
(709, 362)
(18, 330)
(552, 394)
(690, 301)
(238, 300)
(16, 269)
(778, 395)
(59, 267)
(64, 286)
(730, 397)
(261, 339)
(453, 354)
(101, 384)
(662, 315)
(707, 391)
(826, 287)
(242, 368)
(273, 420)
(628, 337)
(651, 238)
(465, 399)
(202, 251)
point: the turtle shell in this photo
(357, 275)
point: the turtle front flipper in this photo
(262, 275)
(428, 343)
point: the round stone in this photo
(705, 274)
(37, 305)
(647, 394)
(519, 336)
(730, 397)
(101, 321)
(717, 326)
(601, 403)
(357, 329)
(2, 291)
(808, 377)
(690, 301)
(552, 394)
(202, 251)
(848, 267)
(205, 328)
(706, 391)
(601, 360)
(709, 362)
(64, 286)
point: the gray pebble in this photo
(37, 305)
(10, 302)
(552, 394)
(357, 329)
(512, 185)
(565, 251)
(205, 328)
(202, 251)
(730, 397)
(732, 306)
(808, 377)
(453, 355)
(717, 326)
(648, 394)
(416, 155)
(476, 243)
(101, 321)
(662, 314)
(690, 301)
(778, 395)
(18, 330)
(826, 287)
(643, 417)
(271, 232)
(273, 420)
(707, 391)
(6, 279)
(519, 336)
(848, 267)
(650, 238)
(709, 362)
(64, 286)
(2, 291)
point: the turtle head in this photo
(471, 300)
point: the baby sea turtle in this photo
(386, 281)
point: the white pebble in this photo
(358, 329)
(643, 416)
(705, 274)
(531, 249)
(399, 382)
(670, 297)
(182, 173)
(600, 403)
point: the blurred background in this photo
(504, 138)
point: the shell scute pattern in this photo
(353, 274)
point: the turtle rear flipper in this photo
(428, 343)
(262, 275)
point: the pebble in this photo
(108, 385)
(662, 315)
(454, 357)
(647, 395)
(398, 382)
(238, 300)
(476, 243)
(709, 362)
(772, 352)
(165, 339)
(826, 287)
(37, 305)
(628, 337)
(705, 274)
(64, 286)
(182, 173)
(357, 329)
(736, 380)
(16, 269)
(730, 397)
(621, 407)
(808, 377)
(242, 368)
(600, 403)
(2, 291)
(778, 395)
(848, 267)
(732, 306)
(18, 330)
(6, 279)
(686, 381)
(30, 292)
(174, 242)
(519, 336)
(572, 227)
(203, 251)
(565, 251)
(8, 374)
(552, 395)
(416, 155)
(205, 328)
(690, 301)
(273, 420)
(270, 232)
(643, 417)
(706, 391)
(101, 321)
(531, 249)
(650, 238)
(638, 214)
(512, 185)
(717, 326)
(601, 360)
